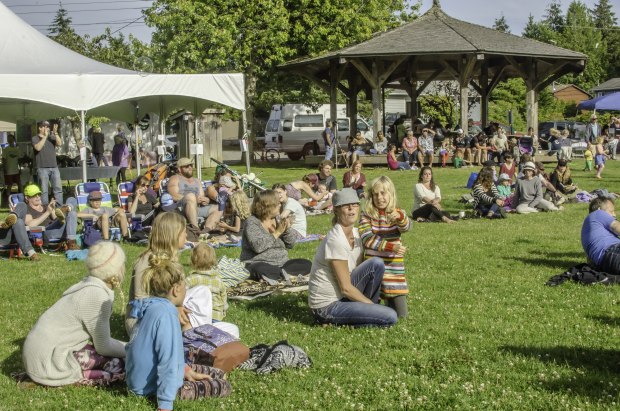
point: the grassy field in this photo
(484, 332)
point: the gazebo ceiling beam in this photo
(495, 80)
(364, 71)
(467, 65)
(476, 87)
(561, 72)
(388, 71)
(515, 64)
(322, 83)
(453, 72)
(553, 69)
(428, 81)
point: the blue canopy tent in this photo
(609, 102)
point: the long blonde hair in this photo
(240, 204)
(161, 275)
(165, 233)
(378, 183)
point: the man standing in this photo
(45, 143)
(593, 130)
(599, 236)
(190, 197)
(328, 138)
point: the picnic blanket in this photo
(249, 289)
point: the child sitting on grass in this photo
(504, 189)
(155, 359)
(205, 273)
(236, 212)
(381, 225)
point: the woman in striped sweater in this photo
(381, 225)
(487, 201)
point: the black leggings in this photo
(430, 212)
(120, 176)
(296, 266)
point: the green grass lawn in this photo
(483, 331)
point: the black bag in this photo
(193, 233)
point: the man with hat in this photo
(528, 197)
(103, 216)
(59, 223)
(13, 229)
(593, 130)
(192, 201)
(45, 143)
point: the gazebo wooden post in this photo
(377, 116)
(484, 96)
(531, 98)
(353, 92)
(466, 68)
(333, 92)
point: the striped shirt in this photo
(379, 237)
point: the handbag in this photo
(208, 345)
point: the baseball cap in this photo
(184, 162)
(32, 190)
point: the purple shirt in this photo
(597, 236)
(120, 154)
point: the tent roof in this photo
(25, 50)
(437, 33)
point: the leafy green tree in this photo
(501, 24)
(509, 95)
(116, 50)
(254, 36)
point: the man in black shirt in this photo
(45, 143)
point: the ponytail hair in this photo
(161, 275)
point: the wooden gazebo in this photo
(438, 47)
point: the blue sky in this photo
(92, 16)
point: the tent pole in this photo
(83, 148)
(245, 136)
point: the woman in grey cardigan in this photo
(266, 239)
(58, 349)
(528, 196)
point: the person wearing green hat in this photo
(59, 222)
(13, 229)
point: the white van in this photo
(294, 128)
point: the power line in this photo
(74, 3)
(81, 11)
(116, 22)
(129, 24)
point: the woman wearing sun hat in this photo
(528, 197)
(343, 290)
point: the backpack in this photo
(91, 235)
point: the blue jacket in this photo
(155, 362)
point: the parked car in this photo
(577, 130)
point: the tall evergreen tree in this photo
(62, 32)
(603, 15)
(554, 17)
(501, 24)
(606, 21)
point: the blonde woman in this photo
(167, 237)
(71, 341)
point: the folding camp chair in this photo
(82, 190)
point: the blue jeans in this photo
(329, 152)
(367, 278)
(410, 158)
(611, 260)
(403, 165)
(45, 176)
(56, 230)
(485, 209)
(17, 233)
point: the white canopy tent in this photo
(41, 79)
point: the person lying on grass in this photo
(71, 342)
(343, 290)
(599, 236)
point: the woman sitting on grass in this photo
(308, 185)
(393, 163)
(343, 290)
(427, 199)
(528, 197)
(266, 239)
(355, 179)
(71, 342)
(487, 200)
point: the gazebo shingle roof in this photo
(437, 33)
(612, 84)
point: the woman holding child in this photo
(355, 179)
(343, 290)
(266, 239)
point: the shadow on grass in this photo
(606, 320)
(597, 371)
(562, 264)
(291, 307)
(13, 363)
(568, 255)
